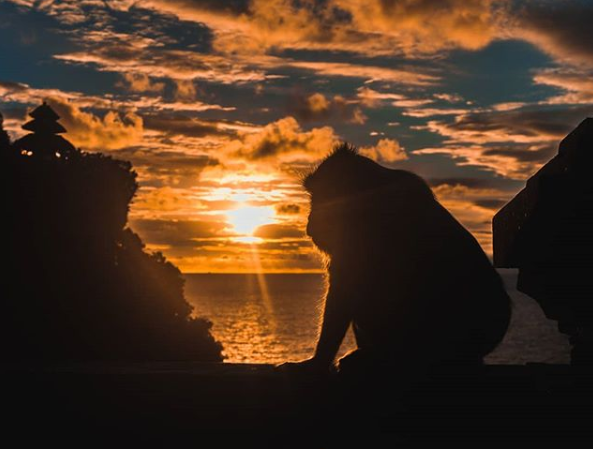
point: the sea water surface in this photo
(273, 318)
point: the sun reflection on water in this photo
(253, 329)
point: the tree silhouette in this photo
(79, 283)
(4, 139)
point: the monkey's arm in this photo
(336, 319)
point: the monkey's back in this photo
(428, 290)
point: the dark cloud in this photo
(512, 143)
(277, 231)
(490, 203)
(563, 29)
(235, 7)
(122, 54)
(544, 122)
(15, 113)
(288, 209)
(288, 248)
(166, 159)
(181, 125)
(182, 233)
(522, 154)
(474, 183)
(12, 86)
(318, 107)
(167, 168)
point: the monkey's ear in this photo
(341, 151)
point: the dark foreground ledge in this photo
(186, 399)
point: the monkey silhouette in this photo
(414, 284)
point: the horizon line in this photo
(253, 272)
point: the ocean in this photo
(274, 318)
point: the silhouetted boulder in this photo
(79, 285)
(547, 232)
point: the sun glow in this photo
(246, 219)
(248, 239)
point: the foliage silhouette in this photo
(80, 284)
(4, 139)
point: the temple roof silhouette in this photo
(45, 121)
(44, 141)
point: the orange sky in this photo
(223, 105)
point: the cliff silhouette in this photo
(545, 232)
(78, 283)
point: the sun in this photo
(246, 219)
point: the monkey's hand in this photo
(308, 367)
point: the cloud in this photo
(178, 233)
(259, 25)
(371, 27)
(11, 92)
(576, 85)
(89, 131)
(433, 112)
(524, 125)
(182, 65)
(159, 104)
(317, 103)
(494, 204)
(245, 36)
(449, 98)
(185, 90)
(194, 10)
(472, 183)
(285, 140)
(412, 28)
(561, 29)
(512, 161)
(373, 99)
(278, 232)
(9, 87)
(141, 82)
(413, 106)
(426, 26)
(165, 201)
(386, 150)
(288, 209)
(179, 169)
(184, 125)
(512, 142)
(317, 106)
(410, 76)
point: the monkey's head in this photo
(354, 199)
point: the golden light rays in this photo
(246, 219)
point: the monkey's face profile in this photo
(325, 224)
(331, 207)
